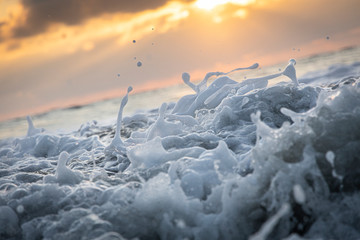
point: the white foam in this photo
(163, 128)
(63, 174)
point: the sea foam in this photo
(234, 160)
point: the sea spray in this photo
(196, 100)
(117, 144)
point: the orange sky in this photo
(57, 53)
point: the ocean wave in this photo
(234, 160)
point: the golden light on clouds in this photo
(14, 15)
(222, 10)
(241, 13)
(60, 39)
(210, 5)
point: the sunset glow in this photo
(209, 5)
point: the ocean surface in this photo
(257, 153)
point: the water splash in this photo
(31, 128)
(117, 145)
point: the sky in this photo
(58, 53)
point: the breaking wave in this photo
(235, 160)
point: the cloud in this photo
(41, 14)
(121, 29)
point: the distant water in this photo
(270, 157)
(104, 112)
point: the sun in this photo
(211, 4)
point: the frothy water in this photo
(257, 159)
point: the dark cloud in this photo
(42, 13)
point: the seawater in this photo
(104, 112)
(269, 157)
